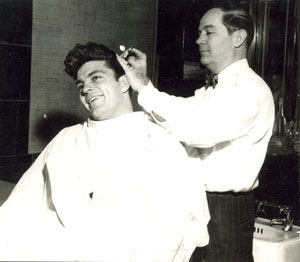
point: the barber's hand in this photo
(134, 63)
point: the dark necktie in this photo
(211, 80)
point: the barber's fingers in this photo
(125, 53)
(133, 61)
(128, 53)
(137, 78)
(132, 52)
(123, 63)
(138, 53)
(129, 58)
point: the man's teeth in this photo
(93, 99)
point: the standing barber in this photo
(230, 123)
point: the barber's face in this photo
(99, 90)
(216, 46)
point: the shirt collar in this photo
(234, 68)
(123, 120)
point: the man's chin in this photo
(204, 60)
(96, 116)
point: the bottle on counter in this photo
(280, 119)
(296, 133)
(281, 139)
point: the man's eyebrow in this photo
(95, 72)
(206, 27)
(90, 74)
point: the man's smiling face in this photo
(99, 90)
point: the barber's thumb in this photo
(122, 62)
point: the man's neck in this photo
(218, 70)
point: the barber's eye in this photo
(209, 33)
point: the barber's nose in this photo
(200, 40)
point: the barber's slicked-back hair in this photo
(235, 18)
(91, 51)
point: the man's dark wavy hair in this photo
(235, 18)
(91, 51)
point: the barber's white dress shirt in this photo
(231, 123)
(116, 190)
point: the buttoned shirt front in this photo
(230, 124)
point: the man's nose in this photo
(87, 88)
(200, 40)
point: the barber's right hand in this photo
(134, 63)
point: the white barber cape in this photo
(115, 190)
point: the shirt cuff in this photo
(145, 96)
(146, 87)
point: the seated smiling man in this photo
(116, 187)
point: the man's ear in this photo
(124, 82)
(240, 37)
